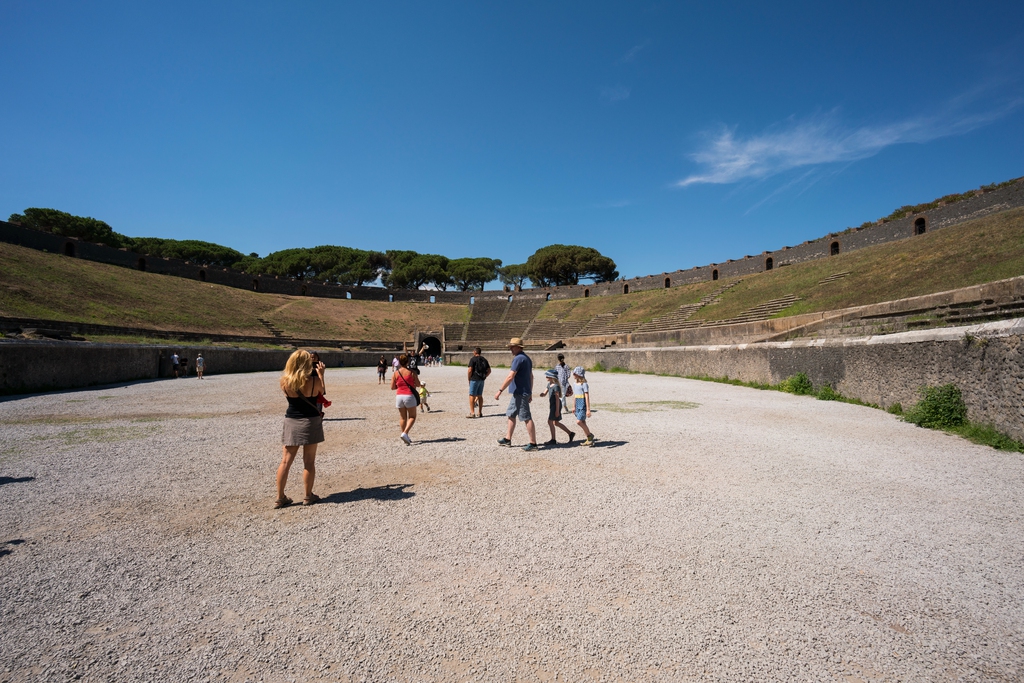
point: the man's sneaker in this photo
(553, 442)
(406, 439)
(504, 442)
(572, 435)
(531, 447)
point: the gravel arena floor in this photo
(714, 533)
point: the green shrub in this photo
(827, 393)
(939, 408)
(895, 409)
(987, 435)
(598, 367)
(798, 384)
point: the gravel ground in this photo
(714, 533)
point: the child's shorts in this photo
(581, 409)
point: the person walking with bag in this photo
(303, 423)
(404, 382)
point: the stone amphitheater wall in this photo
(982, 204)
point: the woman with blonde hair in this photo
(404, 382)
(303, 423)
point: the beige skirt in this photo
(302, 431)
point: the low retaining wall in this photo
(28, 366)
(985, 361)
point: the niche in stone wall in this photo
(920, 226)
(547, 297)
(202, 276)
(769, 263)
(586, 293)
(834, 249)
(255, 285)
(714, 274)
(141, 264)
(668, 282)
(625, 289)
(69, 249)
(305, 290)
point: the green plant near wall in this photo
(798, 384)
(940, 407)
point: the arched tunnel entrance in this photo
(431, 346)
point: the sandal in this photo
(282, 503)
(311, 499)
(470, 416)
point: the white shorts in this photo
(405, 401)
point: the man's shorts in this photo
(519, 405)
(476, 387)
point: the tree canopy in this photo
(561, 264)
(557, 264)
(513, 275)
(60, 223)
(196, 251)
(412, 270)
(341, 265)
(473, 273)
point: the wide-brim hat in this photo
(515, 341)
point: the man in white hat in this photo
(520, 384)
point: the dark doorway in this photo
(769, 263)
(202, 276)
(69, 249)
(586, 293)
(547, 297)
(714, 274)
(834, 249)
(920, 226)
(668, 282)
(432, 345)
(625, 289)
(141, 264)
(255, 285)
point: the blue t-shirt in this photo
(522, 383)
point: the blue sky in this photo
(666, 135)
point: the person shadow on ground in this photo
(386, 492)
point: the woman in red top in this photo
(404, 381)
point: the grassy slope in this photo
(39, 285)
(983, 250)
(34, 284)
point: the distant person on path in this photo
(404, 382)
(479, 370)
(554, 393)
(382, 370)
(200, 366)
(303, 423)
(175, 364)
(424, 395)
(563, 380)
(184, 366)
(581, 390)
(520, 384)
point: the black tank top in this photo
(300, 406)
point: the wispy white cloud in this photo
(633, 52)
(615, 93)
(823, 139)
(617, 204)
